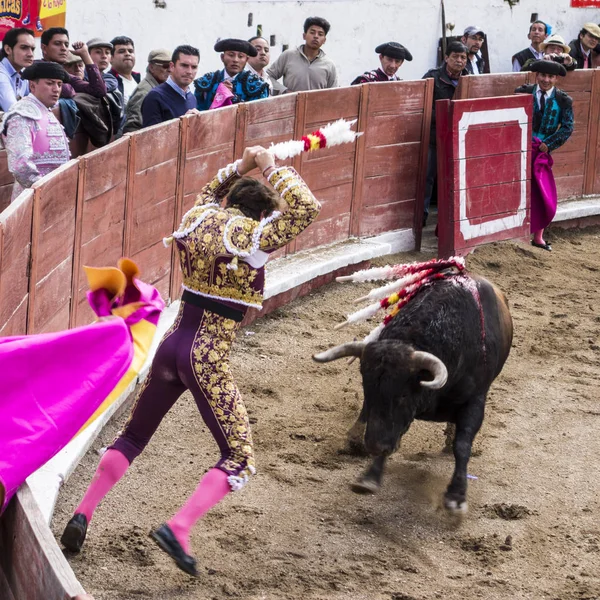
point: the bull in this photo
(434, 361)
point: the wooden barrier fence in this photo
(121, 200)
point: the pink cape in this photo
(222, 97)
(544, 197)
(53, 383)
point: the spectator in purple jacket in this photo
(55, 48)
(173, 98)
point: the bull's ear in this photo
(426, 361)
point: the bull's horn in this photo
(349, 349)
(431, 363)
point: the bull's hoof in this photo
(356, 447)
(365, 486)
(456, 507)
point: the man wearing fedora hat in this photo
(35, 141)
(391, 56)
(552, 127)
(157, 72)
(587, 44)
(554, 48)
(240, 85)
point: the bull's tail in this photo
(349, 349)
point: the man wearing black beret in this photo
(232, 84)
(391, 57)
(552, 127)
(35, 141)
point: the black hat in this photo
(236, 45)
(46, 70)
(394, 50)
(547, 66)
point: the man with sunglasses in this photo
(157, 72)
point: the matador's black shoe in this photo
(167, 541)
(74, 534)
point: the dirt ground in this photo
(298, 531)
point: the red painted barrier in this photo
(484, 149)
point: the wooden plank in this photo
(240, 130)
(386, 130)
(397, 159)
(175, 280)
(34, 566)
(380, 218)
(422, 172)
(489, 170)
(363, 125)
(77, 245)
(324, 232)
(593, 138)
(496, 84)
(396, 97)
(325, 106)
(15, 251)
(389, 188)
(569, 187)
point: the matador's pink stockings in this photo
(213, 487)
(111, 468)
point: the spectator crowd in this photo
(101, 96)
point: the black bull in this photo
(434, 361)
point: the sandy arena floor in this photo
(297, 531)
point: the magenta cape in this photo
(51, 384)
(544, 197)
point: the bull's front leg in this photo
(370, 482)
(356, 434)
(468, 423)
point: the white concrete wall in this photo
(358, 26)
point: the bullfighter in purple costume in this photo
(223, 252)
(391, 56)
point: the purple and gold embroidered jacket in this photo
(223, 252)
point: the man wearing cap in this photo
(18, 47)
(157, 72)
(445, 79)
(554, 48)
(240, 85)
(307, 67)
(538, 31)
(74, 66)
(391, 56)
(173, 98)
(35, 141)
(552, 127)
(587, 42)
(473, 38)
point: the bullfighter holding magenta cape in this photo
(55, 384)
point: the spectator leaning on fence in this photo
(446, 80)
(538, 31)
(473, 38)
(35, 141)
(232, 84)
(307, 67)
(157, 72)
(391, 57)
(173, 98)
(586, 45)
(18, 47)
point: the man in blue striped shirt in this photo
(18, 47)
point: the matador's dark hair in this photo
(253, 198)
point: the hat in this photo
(473, 30)
(394, 50)
(46, 70)
(593, 29)
(72, 58)
(547, 66)
(236, 45)
(99, 43)
(160, 55)
(556, 40)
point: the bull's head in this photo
(394, 377)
